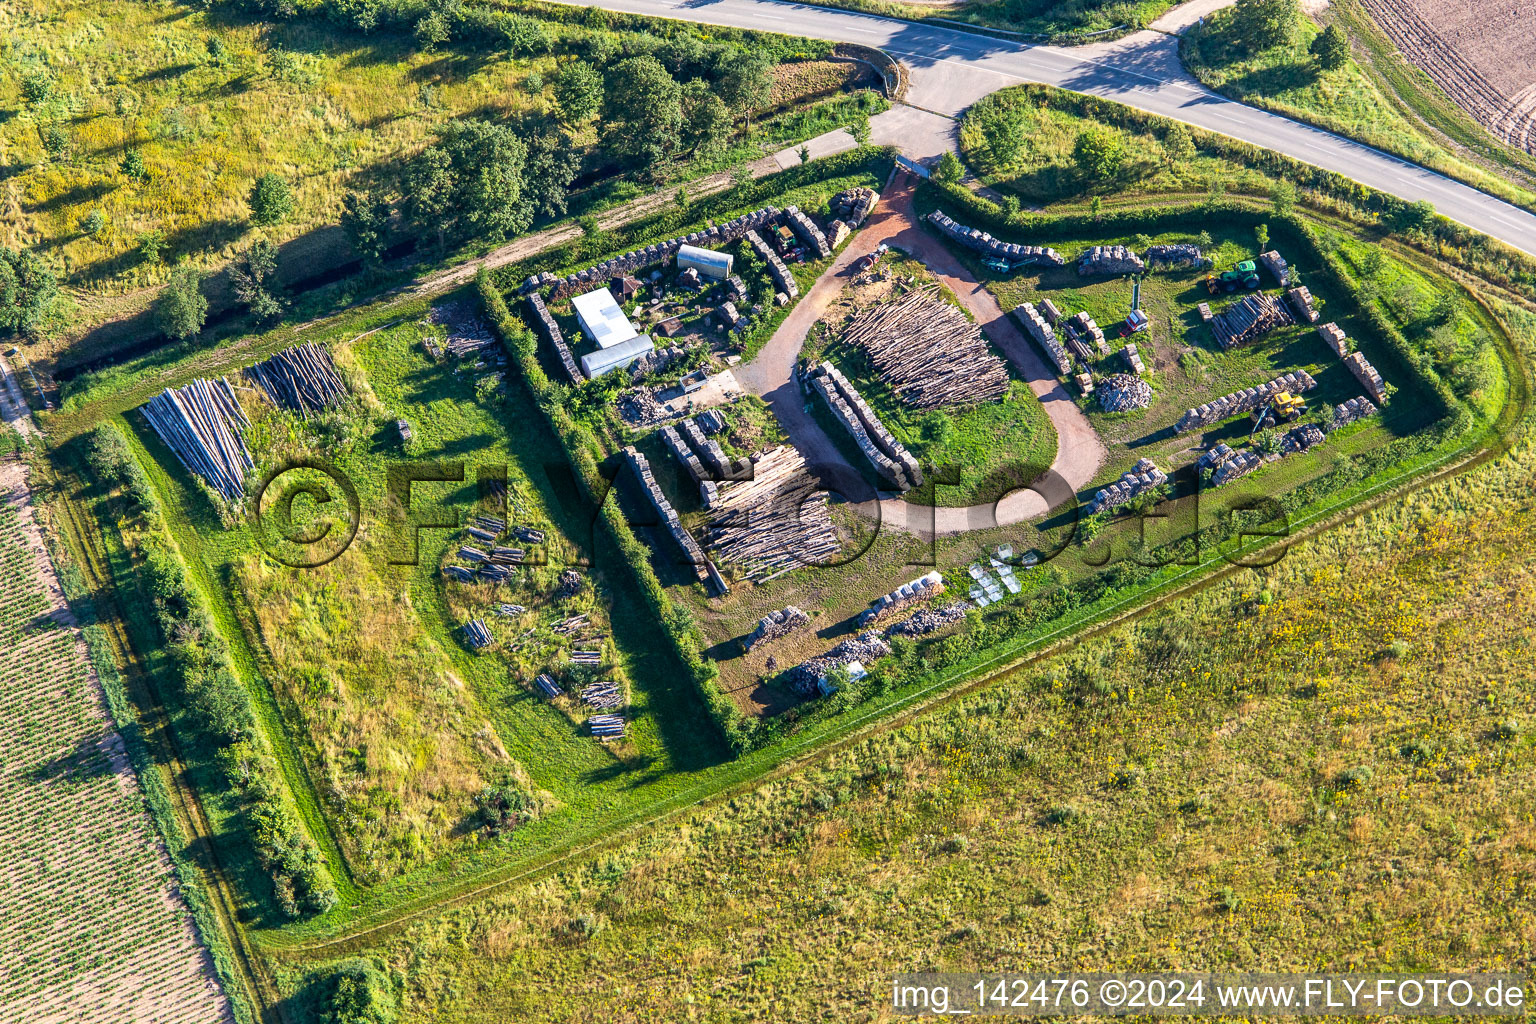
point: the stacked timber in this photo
(607, 727)
(775, 625)
(1275, 264)
(604, 695)
(1213, 458)
(1300, 438)
(302, 378)
(1132, 359)
(630, 263)
(980, 241)
(783, 280)
(928, 620)
(1348, 412)
(1110, 259)
(1141, 478)
(1044, 335)
(1249, 319)
(510, 611)
(492, 572)
(928, 352)
(1300, 299)
(774, 521)
(1204, 309)
(890, 458)
(1081, 329)
(669, 518)
(1334, 337)
(588, 658)
(808, 232)
(476, 635)
(546, 685)
(1366, 374)
(1229, 465)
(1237, 464)
(550, 331)
(920, 589)
(679, 450)
(709, 451)
(1178, 254)
(1120, 392)
(1050, 312)
(866, 647)
(853, 205)
(204, 425)
(459, 573)
(1246, 400)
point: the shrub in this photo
(1507, 730)
(1331, 48)
(271, 199)
(36, 86)
(1354, 778)
(360, 994)
(1062, 814)
(181, 308)
(1098, 153)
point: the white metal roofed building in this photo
(602, 320)
(707, 262)
(595, 364)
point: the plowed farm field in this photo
(92, 927)
(1482, 53)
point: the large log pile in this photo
(1366, 374)
(777, 624)
(1334, 337)
(864, 648)
(1178, 254)
(783, 280)
(1275, 264)
(1141, 478)
(1121, 392)
(928, 352)
(1249, 319)
(1346, 413)
(620, 266)
(808, 232)
(980, 241)
(1243, 401)
(551, 333)
(889, 457)
(204, 425)
(1041, 332)
(773, 522)
(1110, 259)
(302, 378)
(920, 589)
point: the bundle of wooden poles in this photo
(302, 378)
(203, 424)
(926, 350)
(774, 522)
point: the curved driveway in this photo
(951, 69)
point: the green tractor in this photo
(1244, 275)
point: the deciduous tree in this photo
(642, 112)
(271, 199)
(181, 309)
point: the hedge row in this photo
(585, 454)
(217, 705)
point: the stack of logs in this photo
(545, 323)
(864, 648)
(775, 625)
(1346, 413)
(1035, 325)
(1120, 392)
(980, 241)
(603, 695)
(928, 620)
(204, 424)
(1179, 254)
(920, 589)
(808, 232)
(1243, 401)
(1275, 264)
(1142, 477)
(1300, 299)
(1081, 329)
(891, 460)
(302, 378)
(1226, 464)
(674, 525)
(773, 522)
(476, 635)
(783, 280)
(1334, 337)
(1248, 320)
(928, 352)
(853, 205)
(1366, 374)
(1110, 259)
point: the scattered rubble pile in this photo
(302, 378)
(1300, 299)
(982, 242)
(1249, 319)
(1081, 329)
(467, 331)
(1178, 254)
(1334, 337)
(205, 426)
(773, 522)
(777, 624)
(550, 331)
(920, 589)
(1041, 332)
(1346, 413)
(1110, 259)
(891, 460)
(654, 361)
(1142, 477)
(927, 620)
(853, 205)
(669, 517)
(1121, 392)
(1243, 401)
(640, 408)
(928, 352)
(866, 647)
(807, 231)
(783, 280)
(627, 264)
(1366, 374)
(1275, 264)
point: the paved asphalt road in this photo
(952, 69)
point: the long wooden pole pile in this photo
(928, 352)
(303, 378)
(776, 520)
(204, 424)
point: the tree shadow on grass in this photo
(85, 760)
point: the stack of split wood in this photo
(1142, 477)
(1300, 299)
(920, 589)
(545, 323)
(1110, 259)
(603, 695)
(1040, 331)
(776, 624)
(1177, 254)
(809, 233)
(864, 648)
(1334, 337)
(891, 460)
(671, 522)
(1346, 413)
(204, 425)
(774, 521)
(1275, 264)
(982, 242)
(302, 378)
(1366, 374)
(928, 352)
(783, 280)
(476, 635)
(1249, 319)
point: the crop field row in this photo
(91, 924)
